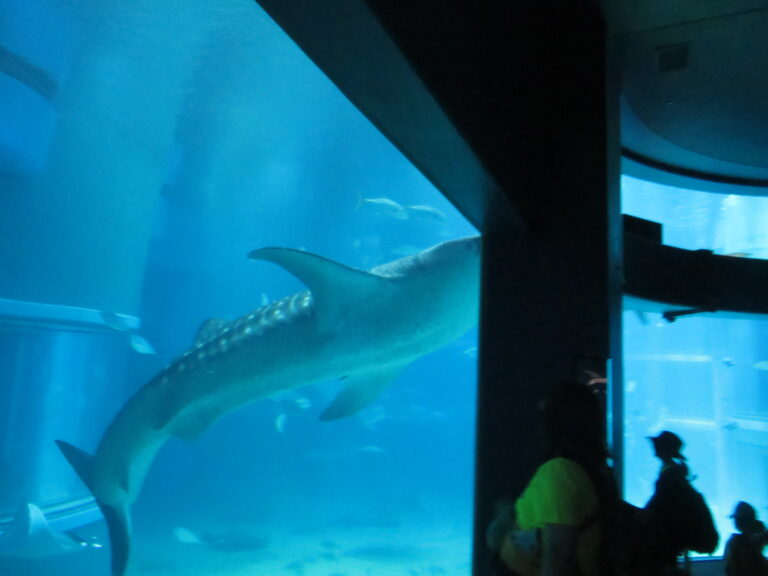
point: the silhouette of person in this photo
(665, 507)
(744, 551)
(562, 515)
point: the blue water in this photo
(703, 377)
(187, 134)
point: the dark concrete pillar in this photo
(551, 300)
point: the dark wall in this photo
(551, 302)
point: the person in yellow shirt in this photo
(560, 518)
(561, 501)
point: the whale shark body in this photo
(362, 327)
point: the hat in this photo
(668, 444)
(745, 511)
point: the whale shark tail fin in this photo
(117, 517)
(119, 525)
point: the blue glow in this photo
(705, 379)
(186, 135)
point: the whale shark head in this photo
(450, 277)
(457, 263)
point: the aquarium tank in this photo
(147, 149)
(703, 376)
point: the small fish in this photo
(372, 450)
(740, 254)
(304, 403)
(595, 378)
(427, 213)
(728, 362)
(280, 422)
(186, 536)
(374, 417)
(386, 207)
(470, 352)
(762, 365)
(140, 344)
(233, 540)
(121, 323)
(115, 321)
(264, 300)
(642, 317)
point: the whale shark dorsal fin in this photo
(359, 391)
(335, 288)
(81, 461)
(209, 329)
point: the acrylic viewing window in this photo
(704, 378)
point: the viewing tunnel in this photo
(177, 176)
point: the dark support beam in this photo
(695, 279)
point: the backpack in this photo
(698, 528)
(682, 512)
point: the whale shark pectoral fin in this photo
(335, 288)
(359, 392)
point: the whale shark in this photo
(362, 327)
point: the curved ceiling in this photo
(695, 87)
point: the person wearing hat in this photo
(664, 508)
(744, 551)
(668, 448)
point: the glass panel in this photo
(727, 224)
(159, 143)
(704, 378)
